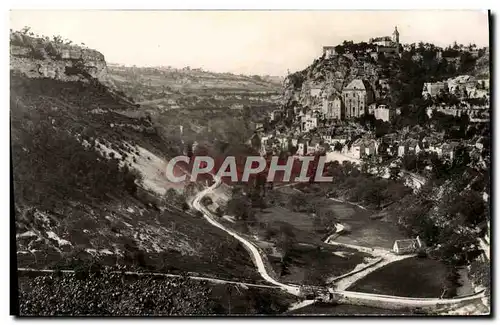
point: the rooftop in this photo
(357, 84)
(406, 243)
(381, 38)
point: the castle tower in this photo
(395, 35)
(395, 38)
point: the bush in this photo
(51, 166)
(112, 294)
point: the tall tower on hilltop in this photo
(395, 38)
(395, 35)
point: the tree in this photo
(394, 172)
(58, 39)
(374, 192)
(461, 159)
(339, 49)
(382, 151)
(368, 162)
(240, 207)
(297, 201)
(286, 239)
(409, 162)
(325, 217)
(206, 201)
(25, 30)
(396, 191)
(470, 206)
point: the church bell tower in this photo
(395, 35)
(395, 38)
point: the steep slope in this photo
(394, 80)
(88, 170)
(330, 75)
(482, 66)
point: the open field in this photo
(294, 242)
(309, 264)
(365, 231)
(301, 224)
(238, 300)
(413, 277)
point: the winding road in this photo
(256, 257)
(367, 299)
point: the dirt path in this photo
(351, 203)
(256, 257)
(167, 275)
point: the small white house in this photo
(407, 246)
(401, 150)
(301, 150)
(315, 92)
(309, 122)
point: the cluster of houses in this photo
(326, 106)
(463, 86)
(476, 113)
(355, 100)
(352, 143)
(276, 143)
(368, 146)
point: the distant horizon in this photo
(248, 74)
(245, 42)
(191, 68)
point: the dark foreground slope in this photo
(114, 294)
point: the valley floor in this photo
(263, 267)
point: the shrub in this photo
(52, 166)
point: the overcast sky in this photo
(249, 42)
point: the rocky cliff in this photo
(396, 81)
(38, 57)
(330, 76)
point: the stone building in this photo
(308, 122)
(332, 108)
(432, 89)
(382, 112)
(381, 41)
(357, 96)
(407, 246)
(386, 44)
(328, 51)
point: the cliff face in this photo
(482, 66)
(43, 58)
(329, 77)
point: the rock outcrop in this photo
(38, 57)
(329, 77)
